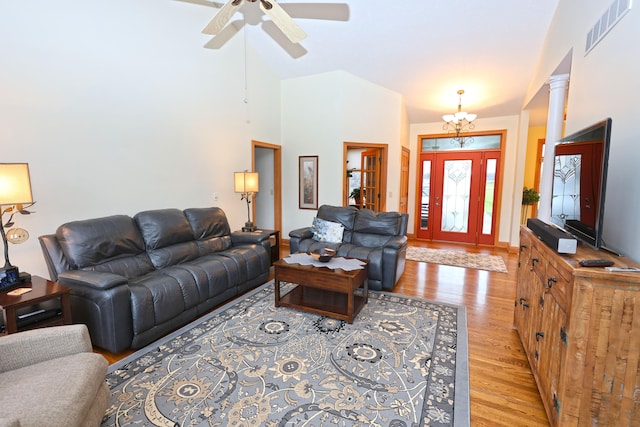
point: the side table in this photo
(37, 308)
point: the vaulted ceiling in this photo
(423, 49)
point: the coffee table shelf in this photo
(323, 302)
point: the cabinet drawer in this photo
(557, 285)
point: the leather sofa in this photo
(51, 377)
(380, 237)
(133, 280)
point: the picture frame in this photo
(308, 182)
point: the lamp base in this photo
(9, 278)
(248, 226)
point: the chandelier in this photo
(458, 123)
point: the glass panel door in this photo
(455, 209)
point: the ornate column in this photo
(555, 121)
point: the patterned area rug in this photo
(457, 258)
(403, 362)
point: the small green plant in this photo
(530, 196)
(355, 193)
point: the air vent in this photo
(609, 18)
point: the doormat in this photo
(403, 362)
(457, 259)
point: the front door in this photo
(458, 189)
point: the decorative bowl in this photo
(324, 254)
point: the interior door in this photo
(457, 196)
(370, 183)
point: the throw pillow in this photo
(327, 231)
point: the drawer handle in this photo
(551, 281)
(533, 262)
(523, 247)
(539, 335)
(563, 335)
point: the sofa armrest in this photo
(102, 301)
(298, 235)
(252, 237)
(37, 345)
(302, 233)
(91, 279)
(396, 242)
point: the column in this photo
(555, 121)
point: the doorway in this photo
(458, 191)
(267, 207)
(364, 179)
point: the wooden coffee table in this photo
(321, 290)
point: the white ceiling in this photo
(423, 49)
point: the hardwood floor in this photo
(502, 388)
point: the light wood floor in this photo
(502, 388)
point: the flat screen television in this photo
(580, 182)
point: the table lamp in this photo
(246, 183)
(15, 189)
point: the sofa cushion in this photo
(210, 228)
(54, 392)
(327, 231)
(96, 241)
(385, 223)
(168, 236)
(207, 222)
(345, 215)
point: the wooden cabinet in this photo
(580, 329)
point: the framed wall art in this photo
(308, 182)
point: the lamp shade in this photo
(245, 182)
(15, 185)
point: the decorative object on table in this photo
(529, 197)
(459, 122)
(324, 254)
(15, 193)
(308, 182)
(246, 183)
(403, 362)
(457, 259)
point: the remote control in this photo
(596, 263)
(623, 269)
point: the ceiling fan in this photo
(270, 7)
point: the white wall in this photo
(320, 113)
(118, 109)
(602, 84)
(512, 167)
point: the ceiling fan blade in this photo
(222, 17)
(283, 20)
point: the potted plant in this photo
(355, 194)
(530, 196)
